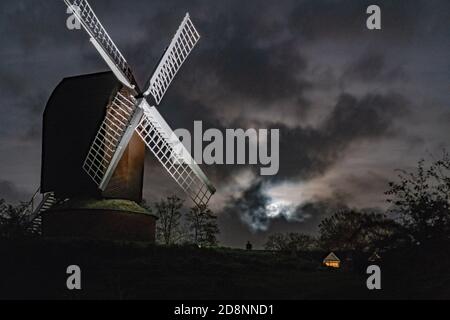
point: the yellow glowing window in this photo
(332, 264)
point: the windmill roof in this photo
(331, 257)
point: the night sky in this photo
(352, 105)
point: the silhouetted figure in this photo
(248, 246)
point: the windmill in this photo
(133, 111)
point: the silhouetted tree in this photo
(168, 227)
(422, 199)
(353, 230)
(290, 242)
(13, 220)
(203, 226)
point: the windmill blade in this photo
(171, 153)
(111, 140)
(102, 42)
(181, 45)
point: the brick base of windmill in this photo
(105, 219)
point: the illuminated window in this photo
(332, 261)
(333, 264)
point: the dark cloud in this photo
(315, 210)
(24, 25)
(11, 193)
(372, 67)
(306, 152)
(251, 207)
(265, 75)
(250, 210)
(368, 117)
(345, 21)
(256, 208)
(241, 56)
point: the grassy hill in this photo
(36, 268)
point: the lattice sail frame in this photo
(181, 45)
(109, 137)
(125, 114)
(174, 157)
(102, 41)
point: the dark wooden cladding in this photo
(71, 119)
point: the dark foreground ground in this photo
(36, 269)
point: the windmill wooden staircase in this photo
(39, 203)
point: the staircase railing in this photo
(39, 203)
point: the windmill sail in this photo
(101, 41)
(170, 152)
(126, 115)
(110, 142)
(181, 45)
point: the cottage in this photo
(332, 261)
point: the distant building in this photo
(332, 261)
(375, 257)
